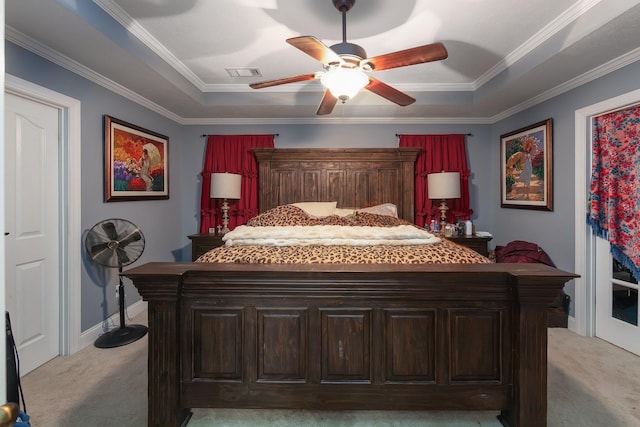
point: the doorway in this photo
(68, 207)
(32, 280)
(603, 287)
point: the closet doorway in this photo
(32, 241)
(69, 257)
(606, 294)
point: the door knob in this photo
(8, 414)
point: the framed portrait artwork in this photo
(136, 162)
(526, 175)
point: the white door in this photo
(616, 301)
(32, 261)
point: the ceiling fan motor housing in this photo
(350, 52)
(344, 5)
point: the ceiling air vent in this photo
(243, 72)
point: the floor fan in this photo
(116, 243)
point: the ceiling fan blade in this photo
(402, 58)
(387, 92)
(294, 79)
(326, 105)
(315, 48)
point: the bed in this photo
(413, 336)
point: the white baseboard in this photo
(89, 336)
(571, 324)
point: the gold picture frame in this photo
(136, 162)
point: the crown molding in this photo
(339, 120)
(138, 31)
(26, 42)
(600, 71)
(548, 31)
(56, 57)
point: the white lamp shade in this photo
(344, 83)
(443, 185)
(225, 186)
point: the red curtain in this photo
(233, 154)
(439, 153)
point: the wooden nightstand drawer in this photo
(201, 243)
(477, 243)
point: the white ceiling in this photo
(172, 56)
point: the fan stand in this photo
(125, 334)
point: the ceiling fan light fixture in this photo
(346, 64)
(344, 83)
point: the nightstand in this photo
(479, 244)
(203, 242)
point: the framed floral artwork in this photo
(136, 162)
(526, 175)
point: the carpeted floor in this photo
(591, 383)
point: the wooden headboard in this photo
(354, 177)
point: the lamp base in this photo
(443, 215)
(225, 217)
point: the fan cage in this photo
(115, 242)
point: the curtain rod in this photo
(204, 135)
(398, 135)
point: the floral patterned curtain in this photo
(614, 202)
(233, 154)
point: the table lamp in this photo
(225, 186)
(443, 185)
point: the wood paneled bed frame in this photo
(402, 337)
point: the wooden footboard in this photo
(348, 337)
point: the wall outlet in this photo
(212, 230)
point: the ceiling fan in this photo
(345, 65)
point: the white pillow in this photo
(388, 209)
(317, 208)
(344, 212)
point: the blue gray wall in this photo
(336, 136)
(167, 223)
(554, 231)
(157, 219)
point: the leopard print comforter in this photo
(444, 252)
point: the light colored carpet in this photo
(591, 383)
